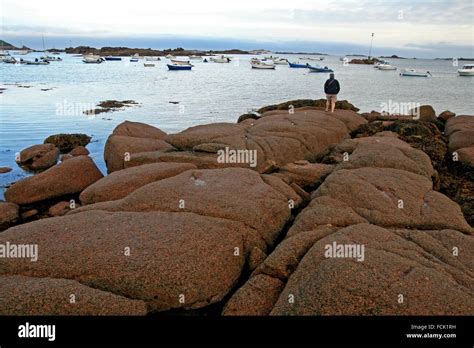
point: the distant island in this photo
(394, 56)
(459, 59)
(304, 53)
(125, 51)
(5, 46)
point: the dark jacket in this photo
(332, 86)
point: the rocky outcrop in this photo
(23, 295)
(173, 228)
(79, 151)
(460, 132)
(282, 138)
(9, 213)
(300, 103)
(119, 184)
(180, 242)
(446, 115)
(38, 157)
(409, 233)
(68, 177)
(67, 142)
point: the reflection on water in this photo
(44, 100)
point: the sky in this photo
(414, 28)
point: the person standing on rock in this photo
(331, 88)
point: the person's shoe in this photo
(326, 110)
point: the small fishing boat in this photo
(22, 52)
(280, 61)
(179, 67)
(170, 56)
(51, 59)
(414, 73)
(4, 53)
(257, 64)
(152, 59)
(112, 58)
(466, 70)
(180, 62)
(91, 59)
(297, 65)
(220, 59)
(382, 62)
(33, 62)
(320, 69)
(148, 65)
(8, 60)
(195, 57)
(133, 60)
(386, 66)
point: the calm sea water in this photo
(44, 100)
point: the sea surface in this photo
(42, 100)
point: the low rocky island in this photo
(176, 227)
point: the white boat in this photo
(376, 65)
(92, 59)
(170, 56)
(180, 62)
(280, 61)
(9, 60)
(51, 59)
(33, 62)
(413, 72)
(22, 52)
(386, 66)
(220, 59)
(4, 53)
(466, 70)
(257, 64)
(195, 57)
(152, 59)
(148, 65)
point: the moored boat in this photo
(152, 59)
(148, 65)
(466, 70)
(133, 60)
(195, 57)
(386, 66)
(112, 58)
(34, 62)
(170, 56)
(8, 60)
(414, 73)
(297, 65)
(257, 64)
(220, 59)
(180, 62)
(179, 67)
(320, 69)
(280, 61)
(51, 59)
(92, 59)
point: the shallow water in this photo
(211, 92)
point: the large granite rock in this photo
(121, 183)
(187, 256)
(71, 176)
(67, 142)
(417, 256)
(38, 157)
(23, 295)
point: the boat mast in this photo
(371, 41)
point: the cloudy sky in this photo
(422, 28)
